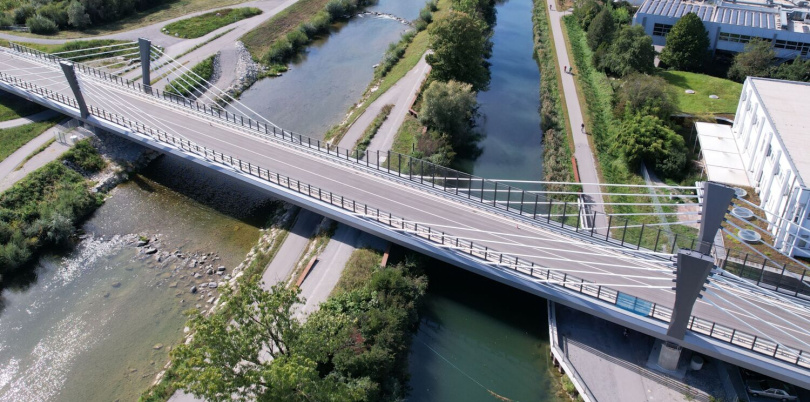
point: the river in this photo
(479, 340)
(89, 325)
(331, 75)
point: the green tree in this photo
(755, 60)
(483, 9)
(646, 138)
(631, 51)
(77, 18)
(645, 94)
(687, 44)
(450, 107)
(460, 43)
(224, 360)
(585, 11)
(601, 29)
(797, 70)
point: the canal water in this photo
(479, 340)
(330, 77)
(97, 323)
(509, 110)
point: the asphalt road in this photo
(291, 250)
(440, 211)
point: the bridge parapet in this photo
(425, 233)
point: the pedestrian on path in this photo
(583, 128)
(565, 69)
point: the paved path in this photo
(582, 148)
(291, 250)
(8, 174)
(43, 115)
(401, 95)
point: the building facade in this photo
(733, 24)
(772, 132)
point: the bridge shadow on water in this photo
(207, 187)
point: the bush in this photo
(755, 61)
(84, 156)
(631, 51)
(55, 12)
(426, 15)
(336, 9)
(432, 5)
(450, 107)
(41, 25)
(646, 138)
(601, 29)
(585, 11)
(298, 39)
(23, 13)
(77, 17)
(645, 94)
(6, 20)
(280, 51)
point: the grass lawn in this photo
(11, 139)
(161, 12)
(200, 25)
(259, 40)
(407, 135)
(699, 103)
(13, 107)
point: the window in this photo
(736, 38)
(769, 152)
(661, 29)
(791, 45)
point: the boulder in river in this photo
(221, 268)
(151, 250)
(212, 285)
(193, 289)
(157, 346)
(142, 243)
(116, 284)
(210, 271)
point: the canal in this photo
(479, 340)
(97, 323)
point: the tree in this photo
(224, 359)
(483, 9)
(631, 51)
(687, 44)
(460, 44)
(41, 25)
(797, 70)
(601, 29)
(755, 60)
(585, 11)
(77, 18)
(645, 94)
(645, 138)
(449, 107)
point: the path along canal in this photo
(89, 325)
(331, 75)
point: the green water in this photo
(478, 339)
(84, 327)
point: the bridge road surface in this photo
(442, 212)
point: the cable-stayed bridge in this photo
(565, 250)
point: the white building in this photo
(732, 24)
(768, 148)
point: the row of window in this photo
(791, 45)
(661, 29)
(737, 38)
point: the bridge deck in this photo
(440, 211)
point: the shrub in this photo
(85, 156)
(646, 94)
(754, 61)
(23, 13)
(280, 51)
(336, 9)
(41, 25)
(432, 5)
(298, 39)
(77, 17)
(6, 20)
(426, 15)
(55, 12)
(631, 51)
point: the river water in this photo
(479, 340)
(85, 326)
(331, 75)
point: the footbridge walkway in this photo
(622, 272)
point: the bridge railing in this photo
(498, 260)
(566, 214)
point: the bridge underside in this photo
(573, 296)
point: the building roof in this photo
(785, 104)
(720, 155)
(753, 16)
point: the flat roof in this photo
(720, 154)
(746, 15)
(785, 104)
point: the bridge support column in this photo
(716, 200)
(669, 356)
(70, 75)
(145, 47)
(692, 271)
